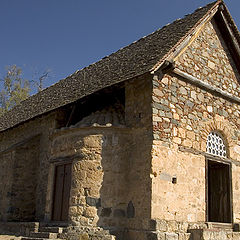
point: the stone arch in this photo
(221, 126)
(218, 173)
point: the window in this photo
(216, 145)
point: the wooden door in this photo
(62, 192)
(219, 192)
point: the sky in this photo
(67, 35)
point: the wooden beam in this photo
(71, 115)
(14, 146)
(181, 46)
(228, 37)
(195, 81)
(190, 38)
(234, 40)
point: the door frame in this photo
(57, 162)
(213, 159)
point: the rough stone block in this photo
(90, 212)
(236, 236)
(118, 213)
(152, 236)
(161, 225)
(184, 236)
(96, 202)
(236, 227)
(152, 225)
(171, 236)
(161, 236)
(130, 210)
(172, 226)
(83, 236)
(106, 212)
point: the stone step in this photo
(9, 237)
(213, 234)
(217, 225)
(44, 235)
(33, 238)
(30, 238)
(54, 224)
(216, 235)
(52, 229)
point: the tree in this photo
(15, 89)
(39, 78)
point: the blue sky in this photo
(67, 35)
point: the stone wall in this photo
(183, 116)
(236, 192)
(184, 200)
(138, 111)
(103, 177)
(111, 185)
(23, 158)
(138, 115)
(208, 59)
(24, 181)
(110, 166)
(99, 167)
(6, 164)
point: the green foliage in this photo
(15, 89)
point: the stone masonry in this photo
(183, 116)
(129, 162)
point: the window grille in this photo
(216, 145)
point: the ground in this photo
(9, 237)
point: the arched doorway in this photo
(218, 184)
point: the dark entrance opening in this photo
(62, 192)
(219, 204)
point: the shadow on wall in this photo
(125, 188)
(231, 58)
(22, 205)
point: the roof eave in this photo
(188, 38)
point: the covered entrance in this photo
(62, 192)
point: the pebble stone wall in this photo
(183, 116)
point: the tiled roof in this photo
(131, 61)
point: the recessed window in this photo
(216, 145)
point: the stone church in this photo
(142, 145)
